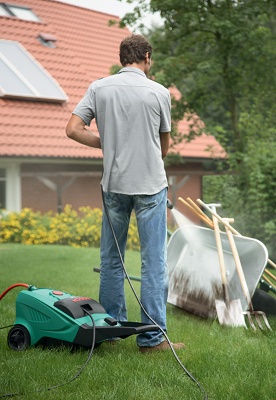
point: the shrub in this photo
(80, 228)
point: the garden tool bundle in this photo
(250, 311)
(195, 273)
(229, 312)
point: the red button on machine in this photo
(57, 293)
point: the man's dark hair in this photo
(133, 49)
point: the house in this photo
(49, 53)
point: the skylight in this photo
(9, 10)
(23, 77)
(47, 39)
(4, 12)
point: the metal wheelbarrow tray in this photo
(194, 273)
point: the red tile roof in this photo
(86, 48)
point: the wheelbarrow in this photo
(194, 271)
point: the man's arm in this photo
(77, 131)
(165, 143)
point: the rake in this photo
(257, 314)
(228, 312)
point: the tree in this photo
(248, 195)
(221, 55)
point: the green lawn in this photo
(230, 363)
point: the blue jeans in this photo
(151, 216)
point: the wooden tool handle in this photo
(238, 266)
(270, 274)
(229, 226)
(268, 281)
(217, 216)
(220, 251)
(200, 215)
(271, 263)
(193, 204)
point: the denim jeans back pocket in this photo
(111, 199)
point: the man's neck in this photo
(140, 66)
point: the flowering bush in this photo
(80, 228)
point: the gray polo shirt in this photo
(131, 112)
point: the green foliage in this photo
(115, 69)
(77, 229)
(248, 195)
(221, 55)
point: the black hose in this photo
(141, 305)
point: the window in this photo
(3, 11)
(23, 77)
(8, 10)
(47, 39)
(2, 188)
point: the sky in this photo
(114, 7)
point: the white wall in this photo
(13, 185)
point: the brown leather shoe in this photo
(163, 346)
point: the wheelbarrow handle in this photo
(272, 286)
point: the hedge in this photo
(81, 228)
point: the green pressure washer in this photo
(50, 317)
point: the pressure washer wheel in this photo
(19, 338)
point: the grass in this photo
(230, 363)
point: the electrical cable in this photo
(87, 360)
(5, 327)
(75, 376)
(94, 327)
(12, 287)
(141, 305)
(7, 291)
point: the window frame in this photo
(9, 9)
(34, 92)
(4, 180)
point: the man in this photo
(133, 118)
